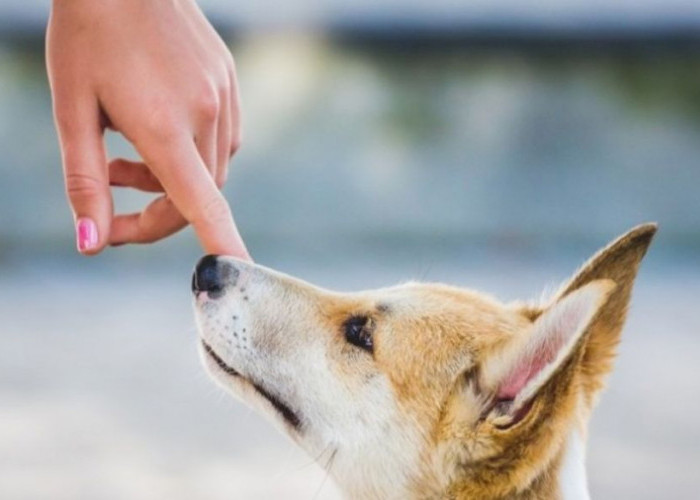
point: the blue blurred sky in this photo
(568, 14)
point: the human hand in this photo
(157, 72)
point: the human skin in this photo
(158, 73)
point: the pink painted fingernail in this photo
(86, 232)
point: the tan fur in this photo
(618, 262)
(437, 348)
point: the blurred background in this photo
(488, 144)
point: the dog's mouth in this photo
(283, 409)
(220, 362)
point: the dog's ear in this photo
(585, 317)
(619, 262)
(529, 361)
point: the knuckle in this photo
(80, 185)
(207, 104)
(161, 123)
(213, 212)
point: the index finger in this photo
(188, 183)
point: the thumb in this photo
(87, 180)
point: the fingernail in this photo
(86, 232)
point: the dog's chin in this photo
(249, 391)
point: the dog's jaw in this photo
(216, 364)
(227, 351)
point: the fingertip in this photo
(87, 235)
(232, 246)
(240, 253)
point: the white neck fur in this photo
(572, 476)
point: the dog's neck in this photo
(573, 482)
(564, 479)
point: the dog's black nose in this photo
(212, 274)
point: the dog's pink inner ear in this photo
(552, 338)
(531, 363)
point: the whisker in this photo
(328, 467)
(426, 271)
(314, 460)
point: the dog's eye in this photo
(358, 331)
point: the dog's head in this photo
(419, 388)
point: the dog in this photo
(423, 390)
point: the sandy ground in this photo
(102, 395)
